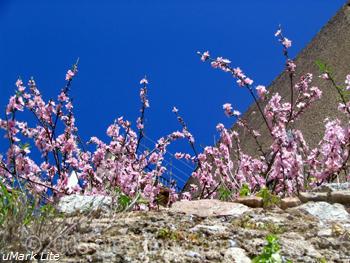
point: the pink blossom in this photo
(186, 196)
(236, 113)
(278, 32)
(344, 108)
(179, 155)
(69, 106)
(261, 91)
(177, 135)
(63, 97)
(347, 82)
(248, 81)
(205, 56)
(220, 126)
(70, 74)
(228, 109)
(286, 42)
(15, 103)
(324, 76)
(291, 66)
(19, 83)
(222, 60)
(144, 81)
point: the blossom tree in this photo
(66, 166)
(289, 165)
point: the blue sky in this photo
(118, 42)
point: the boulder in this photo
(289, 202)
(341, 197)
(251, 201)
(314, 197)
(236, 255)
(70, 204)
(331, 187)
(326, 212)
(208, 208)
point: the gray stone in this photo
(208, 208)
(297, 245)
(86, 248)
(70, 204)
(325, 232)
(193, 254)
(341, 197)
(325, 211)
(232, 243)
(209, 229)
(213, 255)
(237, 255)
(134, 237)
(314, 197)
(331, 187)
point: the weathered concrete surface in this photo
(332, 46)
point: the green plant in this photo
(244, 191)
(269, 199)
(270, 253)
(6, 203)
(16, 204)
(166, 233)
(126, 202)
(273, 228)
(224, 193)
(23, 215)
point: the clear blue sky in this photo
(118, 42)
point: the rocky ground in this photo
(208, 231)
(169, 236)
(314, 228)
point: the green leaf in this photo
(224, 193)
(321, 66)
(244, 191)
(123, 201)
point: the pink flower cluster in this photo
(66, 166)
(347, 82)
(288, 165)
(224, 64)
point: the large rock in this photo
(236, 255)
(82, 203)
(207, 208)
(289, 202)
(251, 201)
(341, 197)
(209, 229)
(326, 212)
(328, 193)
(297, 244)
(332, 187)
(314, 197)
